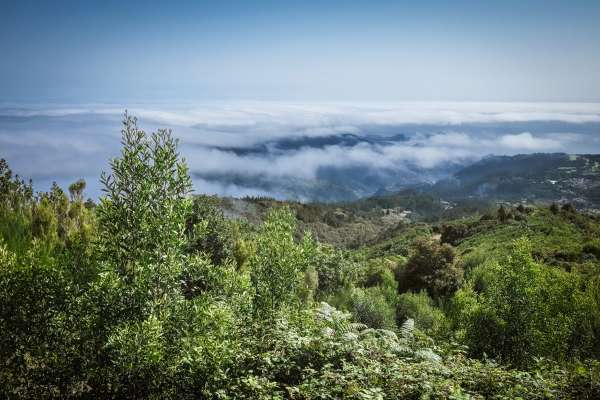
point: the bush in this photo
(335, 270)
(526, 310)
(208, 232)
(454, 234)
(370, 307)
(430, 268)
(278, 265)
(420, 308)
(142, 216)
(592, 247)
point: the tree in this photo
(208, 231)
(503, 215)
(277, 265)
(527, 310)
(60, 202)
(335, 271)
(76, 190)
(43, 221)
(14, 192)
(142, 216)
(430, 268)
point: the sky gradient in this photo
(146, 51)
(271, 96)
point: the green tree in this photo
(142, 216)
(430, 268)
(277, 264)
(208, 232)
(76, 189)
(526, 310)
(15, 193)
(44, 224)
(335, 271)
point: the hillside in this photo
(534, 177)
(564, 238)
(352, 224)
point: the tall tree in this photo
(142, 216)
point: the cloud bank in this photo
(297, 150)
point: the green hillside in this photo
(539, 177)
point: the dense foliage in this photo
(155, 294)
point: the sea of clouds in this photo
(280, 149)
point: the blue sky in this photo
(145, 51)
(269, 92)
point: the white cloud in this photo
(452, 139)
(71, 140)
(253, 114)
(527, 142)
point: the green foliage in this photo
(76, 189)
(143, 213)
(430, 268)
(527, 310)
(208, 231)
(380, 273)
(15, 193)
(420, 308)
(369, 306)
(335, 270)
(277, 264)
(44, 224)
(558, 239)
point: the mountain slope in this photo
(555, 177)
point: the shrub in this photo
(379, 273)
(592, 247)
(430, 268)
(454, 234)
(420, 308)
(526, 310)
(335, 270)
(277, 266)
(370, 307)
(208, 231)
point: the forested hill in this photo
(549, 177)
(535, 177)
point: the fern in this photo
(427, 355)
(407, 328)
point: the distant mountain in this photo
(546, 177)
(317, 142)
(536, 177)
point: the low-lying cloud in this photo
(527, 142)
(295, 150)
